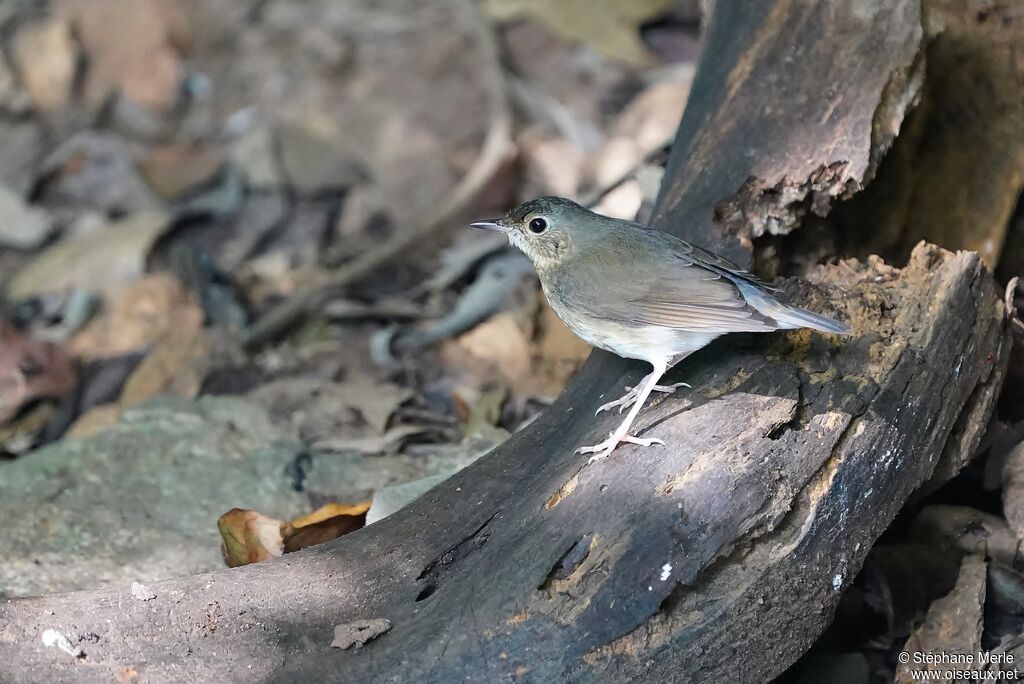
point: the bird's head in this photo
(548, 230)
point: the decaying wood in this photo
(717, 558)
(792, 107)
(956, 172)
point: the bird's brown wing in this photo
(711, 260)
(645, 280)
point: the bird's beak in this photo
(492, 224)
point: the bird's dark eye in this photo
(538, 225)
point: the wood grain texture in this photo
(717, 558)
(792, 106)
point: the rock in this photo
(46, 56)
(140, 501)
(21, 226)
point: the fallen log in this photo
(717, 558)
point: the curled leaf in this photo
(250, 536)
(324, 524)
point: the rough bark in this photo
(717, 558)
(956, 172)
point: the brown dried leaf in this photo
(552, 164)
(316, 160)
(560, 352)
(968, 530)
(388, 442)
(324, 524)
(647, 124)
(139, 316)
(499, 346)
(250, 537)
(319, 409)
(331, 510)
(31, 370)
(132, 47)
(45, 57)
(377, 401)
(177, 365)
(172, 170)
(94, 420)
(19, 435)
(95, 169)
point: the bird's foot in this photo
(630, 397)
(604, 449)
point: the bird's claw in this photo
(604, 449)
(629, 398)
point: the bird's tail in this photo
(789, 316)
(795, 317)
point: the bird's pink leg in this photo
(629, 398)
(621, 434)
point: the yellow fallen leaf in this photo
(249, 536)
(611, 26)
(331, 510)
(325, 529)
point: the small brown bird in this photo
(641, 293)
